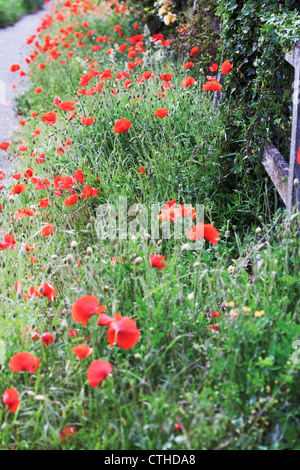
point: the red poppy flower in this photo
(37, 90)
(17, 176)
(71, 200)
(121, 330)
(50, 118)
(88, 192)
(158, 261)
(47, 338)
(67, 106)
(214, 328)
(14, 67)
(29, 173)
(67, 433)
(122, 125)
(23, 148)
(194, 51)
(161, 113)
(212, 85)
(36, 132)
(60, 150)
(171, 212)
(78, 175)
(188, 81)
(215, 314)
(47, 290)
(148, 74)
(167, 77)
(43, 203)
(24, 361)
(226, 67)
(18, 189)
(157, 37)
(82, 351)
(9, 242)
(298, 157)
(11, 399)
(48, 230)
(85, 307)
(74, 333)
(4, 145)
(206, 231)
(214, 68)
(188, 65)
(87, 121)
(127, 84)
(98, 371)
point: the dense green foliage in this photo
(12, 10)
(256, 35)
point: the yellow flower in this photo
(259, 313)
(246, 309)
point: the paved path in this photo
(13, 50)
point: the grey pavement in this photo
(13, 50)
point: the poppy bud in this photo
(159, 242)
(296, 183)
(191, 296)
(105, 288)
(138, 260)
(64, 325)
(89, 251)
(231, 269)
(74, 245)
(258, 230)
(69, 259)
(196, 265)
(185, 247)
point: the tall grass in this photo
(235, 388)
(11, 11)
